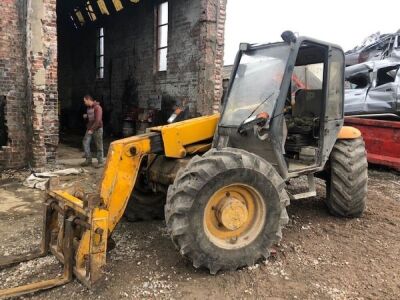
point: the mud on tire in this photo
(196, 184)
(346, 186)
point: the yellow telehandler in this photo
(221, 179)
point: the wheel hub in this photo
(234, 216)
(232, 213)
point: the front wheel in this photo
(226, 209)
(144, 204)
(346, 185)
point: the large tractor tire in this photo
(144, 204)
(145, 207)
(346, 185)
(226, 209)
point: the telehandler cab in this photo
(222, 178)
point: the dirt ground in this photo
(320, 256)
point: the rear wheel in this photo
(144, 204)
(226, 209)
(346, 185)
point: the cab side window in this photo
(335, 89)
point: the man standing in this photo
(94, 129)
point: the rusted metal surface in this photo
(9, 261)
(382, 140)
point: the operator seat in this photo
(308, 104)
(306, 109)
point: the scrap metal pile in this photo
(373, 77)
(372, 96)
(375, 47)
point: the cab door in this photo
(355, 93)
(382, 98)
(333, 119)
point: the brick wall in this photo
(212, 59)
(13, 81)
(28, 80)
(195, 59)
(42, 81)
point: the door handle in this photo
(389, 90)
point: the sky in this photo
(346, 23)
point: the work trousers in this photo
(98, 140)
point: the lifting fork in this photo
(44, 250)
(77, 225)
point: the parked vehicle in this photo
(373, 89)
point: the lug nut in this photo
(233, 240)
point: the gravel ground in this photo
(320, 256)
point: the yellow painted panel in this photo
(120, 174)
(348, 132)
(178, 135)
(98, 242)
(69, 200)
(82, 252)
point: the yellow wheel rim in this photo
(234, 216)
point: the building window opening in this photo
(90, 11)
(100, 53)
(3, 127)
(162, 36)
(80, 17)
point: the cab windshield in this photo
(258, 79)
